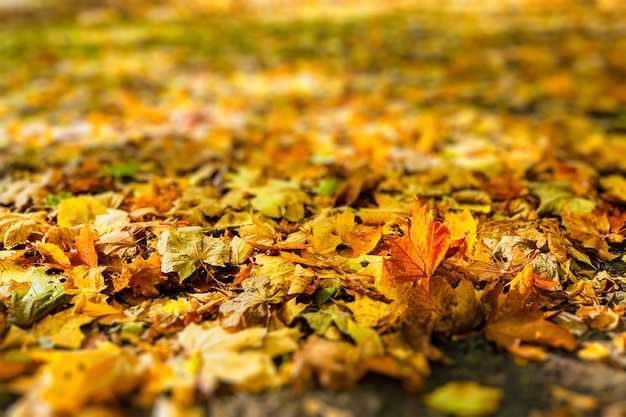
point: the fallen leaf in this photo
(594, 351)
(511, 321)
(141, 276)
(85, 246)
(185, 249)
(75, 211)
(464, 398)
(335, 363)
(54, 253)
(70, 379)
(61, 330)
(45, 295)
(15, 228)
(418, 254)
(252, 307)
(244, 359)
(593, 230)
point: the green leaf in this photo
(322, 319)
(121, 171)
(183, 251)
(554, 196)
(323, 295)
(45, 295)
(327, 186)
(55, 199)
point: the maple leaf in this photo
(244, 358)
(141, 276)
(419, 252)
(183, 251)
(431, 301)
(512, 321)
(253, 305)
(592, 230)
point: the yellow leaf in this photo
(79, 210)
(82, 305)
(465, 399)
(594, 351)
(462, 226)
(244, 358)
(62, 329)
(71, 379)
(89, 281)
(15, 228)
(54, 253)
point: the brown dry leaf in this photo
(510, 321)
(15, 228)
(244, 359)
(252, 307)
(119, 242)
(593, 230)
(336, 364)
(418, 254)
(141, 276)
(431, 301)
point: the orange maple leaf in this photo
(419, 252)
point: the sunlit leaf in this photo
(185, 249)
(419, 253)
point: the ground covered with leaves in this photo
(197, 203)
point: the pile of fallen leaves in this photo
(196, 204)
